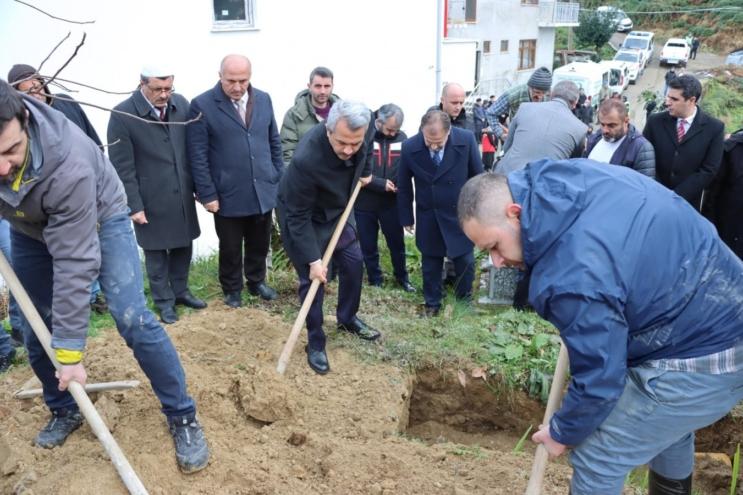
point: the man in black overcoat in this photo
(152, 164)
(315, 189)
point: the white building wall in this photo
(510, 20)
(380, 50)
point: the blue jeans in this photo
(16, 318)
(368, 224)
(653, 423)
(121, 280)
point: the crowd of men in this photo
(538, 212)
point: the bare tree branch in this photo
(53, 16)
(74, 54)
(38, 69)
(104, 146)
(119, 112)
(89, 86)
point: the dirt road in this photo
(652, 77)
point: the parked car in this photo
(592, 77)
(633, 59)
(618, 77)
(642, 41)
(623, 23)
(735, 58)
(675, 52)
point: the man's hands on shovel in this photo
(318, 272)
(69, 372)
(554, 448)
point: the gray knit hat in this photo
(541, 79)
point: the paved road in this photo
(653, 77)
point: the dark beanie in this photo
(21, 71)
(541, 79)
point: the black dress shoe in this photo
(168, 315)
(191, 301)
(406, 286)
(360, 329)
(233, 299)
(317, 360)
(430, 311)
(264, 291)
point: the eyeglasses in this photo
(166, 90)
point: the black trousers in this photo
(243, 246)
(167, 271)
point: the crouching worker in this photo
(70, 224)
(647, 299)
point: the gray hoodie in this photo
(65, 194)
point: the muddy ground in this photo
(364, 428)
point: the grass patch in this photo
(723, 98)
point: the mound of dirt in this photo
(301, 433)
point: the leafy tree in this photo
(595, 29)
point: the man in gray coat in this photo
(71, 225)
(152, 163)
(545, 130)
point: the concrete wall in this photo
(499, 20)
(380, 50)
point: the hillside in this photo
(719, 31)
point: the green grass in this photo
(724, 99)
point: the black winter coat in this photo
(723, 205)
(152, 164)
(385, 159)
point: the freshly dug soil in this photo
(362, 429)
(302, 433)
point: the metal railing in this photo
(558, 13)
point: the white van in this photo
(642, 41)
(618, 77)
(592, 77)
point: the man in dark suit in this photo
(235, 154)
(328, 162)
(152, 164)
(687, 141)
(440, 158)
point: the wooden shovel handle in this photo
(125, 470)
(553, 402)
(299, 322)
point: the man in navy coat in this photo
(440, 159)
(235, 153)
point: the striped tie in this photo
(681, 131)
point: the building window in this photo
(504, 46)
(234, 14)
(486, 47)
(470, 11)
(527, 54)
(529, 2)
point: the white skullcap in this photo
(156, 70)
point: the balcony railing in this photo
(558, 14)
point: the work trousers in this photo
(121, 280)
(243, 245)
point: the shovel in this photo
(553, 402)
(125, 470)
(299, 322)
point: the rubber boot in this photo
(660, 485)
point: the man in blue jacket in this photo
(235, 154)
(647, 299)
(440, 159)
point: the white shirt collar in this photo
(690, 118)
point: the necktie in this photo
(681, 131)
(240, 109)
(436, 158)
(162, 113)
